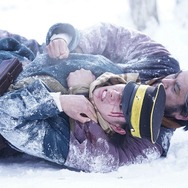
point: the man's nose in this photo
(167, 82)
(115, 95)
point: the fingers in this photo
(58, 49)
(78, 107)
(92, 114)
(53, 49)
(83, 118)
(89, 111)
(87, 114)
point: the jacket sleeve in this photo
(164, 139)
(118, 43)
(130, 49)
(10, 47)
(30, 121)
(31, 44)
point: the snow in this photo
(32, 19)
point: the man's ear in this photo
(118, 129)
(180, 117)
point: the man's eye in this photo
(176, 88)
(175, 75)
(120, 106)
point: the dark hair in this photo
(184, 108)
(184, 112)
(119, 140)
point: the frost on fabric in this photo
(151, 154)
(22, 115)
(41, 103)
(139, 154)
(11, 107)
(166, 139)
(25, 141)
(20, 134)
(91, 158)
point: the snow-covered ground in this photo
(32, 19)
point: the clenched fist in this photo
(58, 48)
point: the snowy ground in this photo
(32, 19)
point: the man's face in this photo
(107, 99)
(176, 88)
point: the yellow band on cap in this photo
(136, 110)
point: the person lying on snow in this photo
(39, 121)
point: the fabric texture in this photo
(35, 126)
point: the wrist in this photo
(63, 36)
(56, 97)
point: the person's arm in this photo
(31, 122)
(32, 44)
(118, 43)
(130, 49)
(35, 100)
(114, 42)
(78, 83)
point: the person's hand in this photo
(58, 48)
(80, 77)
(78, 107)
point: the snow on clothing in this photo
(30, 47)
(136, 149)
(132, 50)
(36, 127)
(60, 69)
(129, 49)
(12, 45)
(32, 123)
